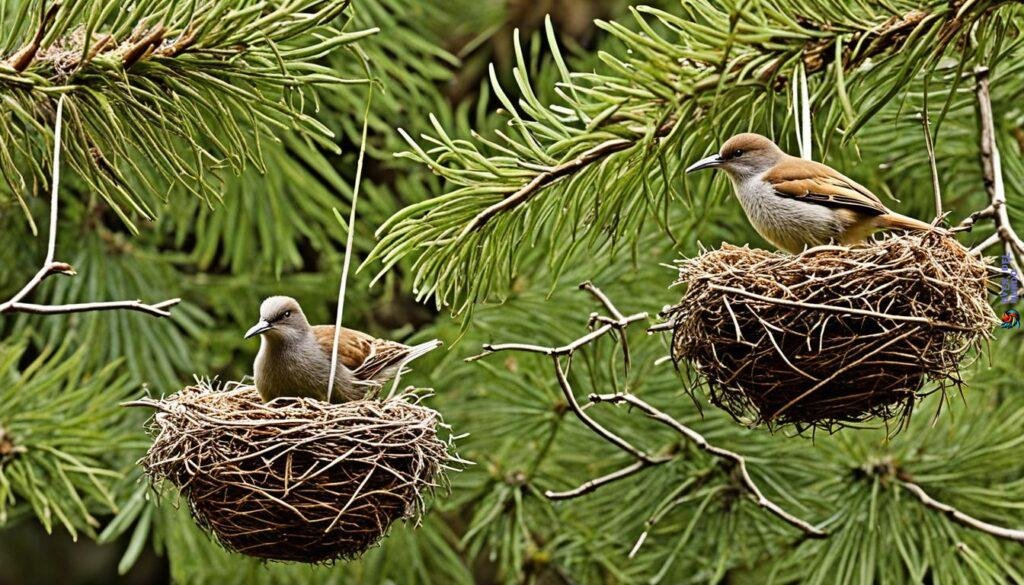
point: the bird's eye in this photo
(287, 314)
(736, 153)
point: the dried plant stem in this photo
(961, 518)
(592, 424)
(351, 228)
(932, 164)
(731, 456)
(591, 485)
(831, 308)
(991, 164)
(643, 460)
(51, 266)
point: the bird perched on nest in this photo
(295, 358)
(796, 203)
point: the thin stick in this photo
(603, 298)
(805, 115)
(961, 518)
(591, 485)
(993, 171)
(592, 424)
(51, 266)
(157, 310)
(51, 245)
(936, 189)
(847, 310)
(348, 248)
(702, 443)
(643, 460)
(563, 350)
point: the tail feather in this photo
(896, 221)
(384, 365)
(422, 348)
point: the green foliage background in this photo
(221, 175)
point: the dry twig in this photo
(618, 323)
(961, 518)
(992, 169)
(51, 266)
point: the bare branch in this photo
(563, 350)
(592, 424)
(604, 300)
(702, 443)
(936, 188)
(51, 266)
(642, 459)
(597, 482)
(993, 172)
(961, 518)
(157, 310)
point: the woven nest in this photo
(296, 479)
(831, 335)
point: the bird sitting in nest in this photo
(796, 203)
(295, 357)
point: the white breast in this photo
(788, 223)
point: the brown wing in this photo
(364, 354)
(814, 182)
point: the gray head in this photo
(743, 156)
(280, 318)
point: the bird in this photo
(796, 203)
(295, 358)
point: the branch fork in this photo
(991, 163)
(51, 266)
(561, 357)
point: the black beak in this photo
(705, 163)
(258, 328)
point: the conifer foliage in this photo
(515, 150)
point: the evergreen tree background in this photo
(210, 150)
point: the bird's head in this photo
(280, 317)
(742, 156)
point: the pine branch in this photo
(596, 162)
(170, 97)
(56, 433)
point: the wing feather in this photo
(814, 182)
(365, 355)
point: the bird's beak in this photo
(258, 328)
(705, 163)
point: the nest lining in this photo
(296, 479)
(831, 335)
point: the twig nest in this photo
(296, 479)
(831, 335)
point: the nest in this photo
(832, 335)
(296, 479)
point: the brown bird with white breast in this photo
(796, 203)
(295, 357)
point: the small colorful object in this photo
(1011, 319)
